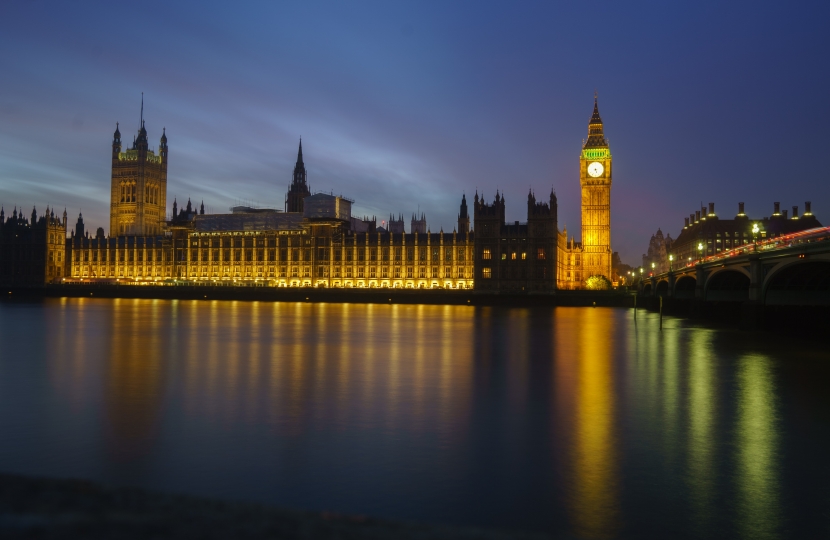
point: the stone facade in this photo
(517, 256)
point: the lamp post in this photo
(700, 250)
(671, 258)
(755, 231)
(652, 269)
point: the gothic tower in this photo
(298, 190)
(138, 196)
(595, 180)
(463, 216)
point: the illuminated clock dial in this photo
(595, 169)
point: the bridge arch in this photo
(801, 282)
(647, 289)
(729, 284)
(662, 288)
(685, 286)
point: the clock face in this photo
(595, 169)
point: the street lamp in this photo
(755, 230)
(700, 249)
(671, 258)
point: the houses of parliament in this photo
(314, 241)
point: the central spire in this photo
(596, 137)
(298, 189)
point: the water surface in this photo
(579, 422)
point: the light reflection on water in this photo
(578, 422)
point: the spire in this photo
(596, 137)
(300, 153)
(202, 208)
(141, 123)
(595, 117)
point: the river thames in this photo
(577, 422)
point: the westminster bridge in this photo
(789, 270)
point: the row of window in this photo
(321, 271)
(296, 254)
(487, 254)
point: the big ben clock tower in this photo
(595, 180)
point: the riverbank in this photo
(363, 296)
(57, 509)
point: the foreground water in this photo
(578, 422)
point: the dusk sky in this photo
(404, 106)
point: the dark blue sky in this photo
(402, 106)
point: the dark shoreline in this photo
(57, 508)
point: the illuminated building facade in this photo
(32, 250)
(138, 196)
(314, 249)
(317, 242)
(595, 180)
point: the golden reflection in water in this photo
(291, 366)
(134, 381)
(758, 477)
(518, 357)
(594, 507)
(70, 366)
(255, 340)
(344, 366)
(701, 435)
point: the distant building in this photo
(418, 225)
(396, 225)
(704, 233)
(32, 251)
(659, 248)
